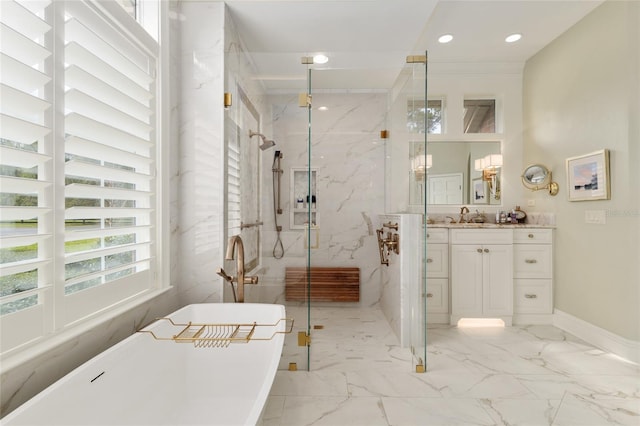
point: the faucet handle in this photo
(251, 280)
(224, 275)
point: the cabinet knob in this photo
(530, 261)
(530, 235)
(429, 260)
(479, 250)
(428, 235)
(486, 250)
(429, 295)
(530, 296)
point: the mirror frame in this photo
(546, 183)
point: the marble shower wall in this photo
(401, 298)
(201, 161)
(349, 157)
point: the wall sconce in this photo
(420, 163)
(489, 166)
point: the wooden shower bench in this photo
(327, 284)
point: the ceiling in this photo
(367, 41)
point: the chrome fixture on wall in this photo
(389, 244)
(266, 143)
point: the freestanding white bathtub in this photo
(144, 381)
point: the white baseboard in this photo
(599, 337)
(532, 319)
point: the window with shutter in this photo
(78, 145)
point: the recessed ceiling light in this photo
(513, 38)
(320, 59)
(322, 108)
(446, 38)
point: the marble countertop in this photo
(487, 225)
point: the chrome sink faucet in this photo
(463, 210)
(241, 280)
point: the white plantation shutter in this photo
(233, 181)
(87, 107)
(26, 140)
(110, 162)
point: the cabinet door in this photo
(437, 296)
(497, 280)
(437, 260)
(466, 279)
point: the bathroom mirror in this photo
(450, 173)
(537, 177)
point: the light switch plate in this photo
(597, 217)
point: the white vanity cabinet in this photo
(481, 274)
(437, 264)
(533, 274)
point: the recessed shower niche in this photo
(303, 196)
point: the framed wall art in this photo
(480, 191)
(588, 176)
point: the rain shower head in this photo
(266, 143)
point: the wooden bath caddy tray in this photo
(219, 335)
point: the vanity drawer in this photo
(437, 260)
(438, 296)
(482, 236)
(533, 236)
(437, 235)
(532, 296)
(532, 261)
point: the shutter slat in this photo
(21, 48)
(21, 158)
(87, 277)
(36, 7)
(20, 130)
(88, 106)
(23, 240)
(77, 190)
(22, 20)
(83, 234)
(20, 76)
(22, 213)
(22, 266)
(95, 171)
(79, 33)
(77, 54)
(76, 77)
(119, 42)
(86, 148)
(22, 105)
(78, 213)
(106, 251)
(16, 185)
(87, 128)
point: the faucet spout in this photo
(241, 279)
(463, 211)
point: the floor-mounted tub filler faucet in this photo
(241, 280)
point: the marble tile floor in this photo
(520, 375)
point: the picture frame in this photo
(588, 176)
(479, 191)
